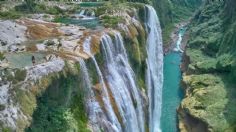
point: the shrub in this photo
(40, 8)
(27, 6)
(2, 107)
(111, 21)
(2, 57)
(225, 62)
(20, 75)
(10, 15)
(50, 43)
(55, 10)
(61, 107)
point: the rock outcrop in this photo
(208, 79)
(44, 54)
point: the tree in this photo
(30, 4)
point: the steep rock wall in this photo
(209, 79)
(51, 96)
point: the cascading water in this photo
(123, 106)
(121, 81)
(86, 78)
(154, 75)
(97, 117)
(180, 37)
(114, 123)
(82, 13)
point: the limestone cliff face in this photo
(209, 79)
(42, 85)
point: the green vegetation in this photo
(5, 129)
(211, 73)
(136, 50)
(30, 6)
(61, 107)
(111, 21)
(12, 14)
(38, 8)
(166, 33)
(212, 100)
(91, 4)
(2, 107)
(19, 75)
(171, 12)
(26, 100)
(2, 57)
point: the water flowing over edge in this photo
(119, 81)
(154, 74)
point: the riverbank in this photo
(174, 37)
(209, 71)
(172, 91)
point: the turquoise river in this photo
(172, 94)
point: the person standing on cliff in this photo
(33, 60)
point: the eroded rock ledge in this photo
(37, 55)
(209, 67)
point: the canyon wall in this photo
(209, 80)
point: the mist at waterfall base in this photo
(172, 93)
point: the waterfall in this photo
(154, 73)
(82, 13)
(86, 78)
(114, 123)
(97, 117)
(121, 81)
(120, 94)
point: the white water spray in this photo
(154, 75)
(121, 80)
(114, 123)
(178, 44)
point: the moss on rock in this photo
(208, 100)
(209, 82)
(61, 107)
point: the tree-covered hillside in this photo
(210, 77)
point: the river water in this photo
(172, 93)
